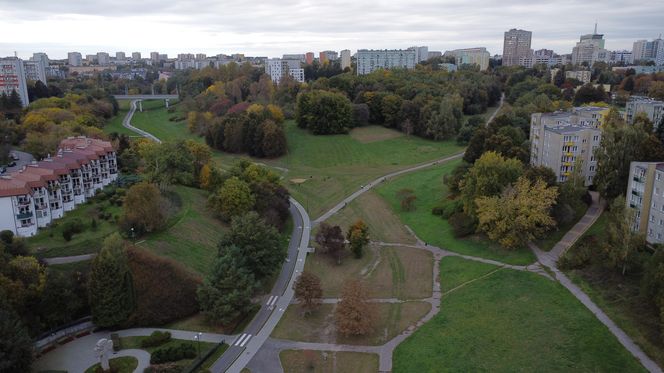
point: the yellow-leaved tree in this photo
(519, 215)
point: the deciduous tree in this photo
(331, 239)
(143, 209)
(622, 243)
(354, 315)
(308, 291)
(234, 198)
(358, 238)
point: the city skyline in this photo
(297, 27)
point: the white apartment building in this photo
(644, 50)
(278, 68)
(645, 194)
(421, 53)
(35, 70)
(40, 56)
(369, 61)
(345, 59)
(558, 140)
(34, 196)
(136, 56)
(12, 78)
(638, 104)
(103, 59)
(580, 75)
(471, 56)
(590, 49)
(74, 59)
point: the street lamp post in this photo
(133, 235)
(197, 338)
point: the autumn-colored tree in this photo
(234, 198)
(331, 239)
(358, 237)
(200, 154)
(490, 174)
(407, 198)
(205, 176)
(354, 315)
(308, 291)
(142, 209)
(274, 139)
(519, 215)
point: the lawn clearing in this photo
(384, 224)
(511, 320)
(429, 189)
(125, 364)
(371, 134)
(300, 361)
(155, 120)
(387, 272)
(459, 271)
(192, 235)
(391, 320)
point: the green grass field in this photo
(192, 235)
(429, 188)
(510, 321)
(301, 361)
(125, 364)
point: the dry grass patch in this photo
(371, 134)
(391, 320)
(294, 361)
(384, 225)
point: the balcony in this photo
(25, 215)
(23, 202)
(638, 179)
(636, 193)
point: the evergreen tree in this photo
(16, 348)
(110, 288)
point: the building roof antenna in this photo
(595, 27)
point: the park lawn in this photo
(70, 268)
(391, 320)
(511, 319)
(429, 189)
(387, 272)
(301, 361)
(552, 237)
(192, 235)
(125, 364)
(459, 271)
(384, 225)
(155, 120)
(48, 242)
(214, 357)
(115, 123)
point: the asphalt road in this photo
(24, 159)
(243, 348)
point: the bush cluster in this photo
(462, 224)
(72, 227)
(447, 208)
(157, 338)
(184, 350)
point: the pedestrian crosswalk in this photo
(242, 340)
(272, 301)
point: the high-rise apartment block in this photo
(653, 109)
(295, 56)
(103, 59)
(154, 57)
(327, 56)
(40, 56)
(12, 78)
(515, 46)
(278, 68)
(35, 70)
(581, 75)
(74, 59)
(345, 59)
(369, 61)
(645, 194)
(590, 49)
(421, 53)
(120, 56)
(471, 56)
(136, 56)
(42, 191)
(309, 58)
(644, 50)
(558, 140)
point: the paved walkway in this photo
(69, 259)
(78, 355)
(550, 259)
(126, 122)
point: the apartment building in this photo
(590, 49)
(516, 44)
(470, 56)
(41, 192)
(369, 60)
(645, 194)
(559, 139)
(278, 68)
(639, 104)
(35, 70)
(103, 59)
(421, 53)
(580, 75)
(327, 56)
(309, 58)
(644, 50)
(345, 59)
(12, 78)
(74, 59)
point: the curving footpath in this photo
(126, 123)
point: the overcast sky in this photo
(271, 28)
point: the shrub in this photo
(184, 350)
(581, 254)
(67, 235)
(164, 289)
(7, 236)
(163, 368)
(448, 208)
(157, 338)
(587, 198)
(462, 224)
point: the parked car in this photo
(11, 164)
(2, 170)
(14, 156)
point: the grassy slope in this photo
(507, 320)
(429, 189)
(296, 361)
(193, 235)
